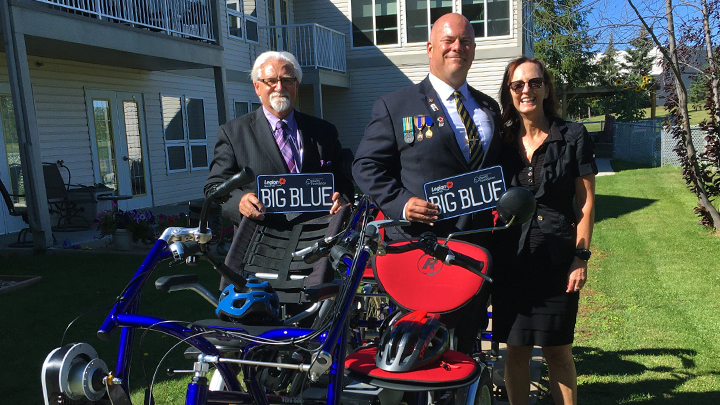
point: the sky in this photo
(616, 17)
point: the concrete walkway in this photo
(604, 168)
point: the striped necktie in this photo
(476, 149)
(286, 146)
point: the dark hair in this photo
(510, 118)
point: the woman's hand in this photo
(577, 276)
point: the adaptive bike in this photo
(276, 362)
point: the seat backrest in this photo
(55, 186)
(264, 249)
(416, 281)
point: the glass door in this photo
(119, 143)
(10, 172)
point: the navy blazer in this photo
(248, 141)
(568, 157)
(392, 171)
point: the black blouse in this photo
(566, 154)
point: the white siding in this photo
(59, 92)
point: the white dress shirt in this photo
(481, 119)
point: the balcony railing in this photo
(184, 18)
(313, 45)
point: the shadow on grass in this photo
(610, 206)
(621, 165)
(611, 377)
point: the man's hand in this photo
(419, 210)
(338, 203)
(251, 207)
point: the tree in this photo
(635, 79)
(608, 69)
(639, 62)
(563, 43)
(698, 92)
(700, 171)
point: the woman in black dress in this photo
(541, 266)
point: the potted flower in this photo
(126, 227)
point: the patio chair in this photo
(66, 201)
(17, 211)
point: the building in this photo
(129, 93)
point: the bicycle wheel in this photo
(484, 394)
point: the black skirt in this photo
(529, 303)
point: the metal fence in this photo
(649, 142)
(637, 142)
(312, 44)
(185, 18)
(669, 157)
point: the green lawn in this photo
(33, 319)
(649, 328)
(696, 117)
(648, 331)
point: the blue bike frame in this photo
(333, 342)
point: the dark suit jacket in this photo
(569, 155)
(392, 171)
(248, 141)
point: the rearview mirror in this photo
(518, 203)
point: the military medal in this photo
(408, 130)
(428, 124)
(419, 121)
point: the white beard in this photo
(280, 102)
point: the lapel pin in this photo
(441, 121)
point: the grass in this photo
(695, 118)
(33, 319)
(648, 328)
(648, 331)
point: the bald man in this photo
(392, 165)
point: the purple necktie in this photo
(285, 145)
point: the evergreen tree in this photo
(639, 62)
(563, 43)
(608, 69)
(635, 79)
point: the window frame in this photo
(403, 24)
(187, 143)
(244, 18)
(374, 29)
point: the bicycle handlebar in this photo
(246, 176)
(428, 243)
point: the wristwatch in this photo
(583, 254)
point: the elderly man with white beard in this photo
(276, 139)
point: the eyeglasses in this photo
(519, 85)
(286, 81)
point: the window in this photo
(421, 14)
(242, 19)
(243, 107)
(374, 22)
(12, 149)
(185, 137)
